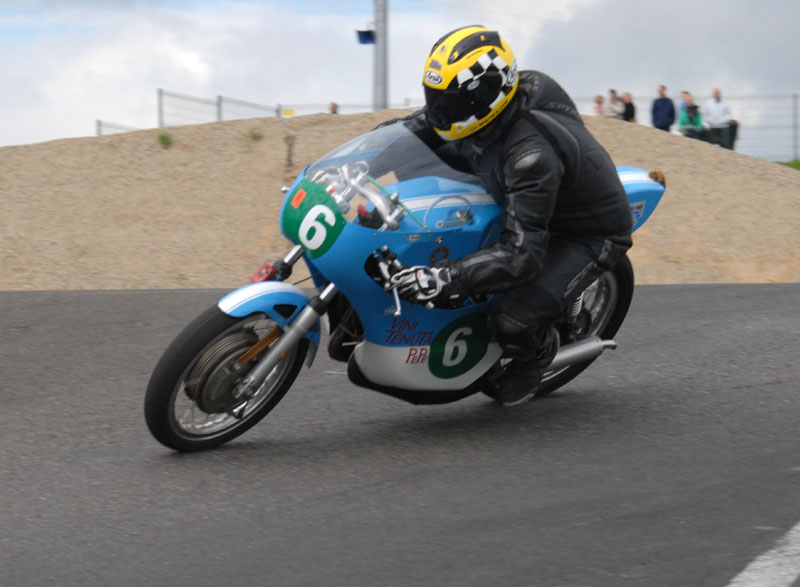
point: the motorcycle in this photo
(375, 204)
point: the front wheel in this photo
(190, 403)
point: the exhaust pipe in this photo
(580, 352)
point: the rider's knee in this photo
(524, 325)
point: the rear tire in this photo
(188, 404)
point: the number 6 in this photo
(310, 223)
(455, 349)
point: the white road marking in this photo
(779, 567)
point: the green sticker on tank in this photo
(312, 218)
(459, 346)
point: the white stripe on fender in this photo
(634, 177)
(779, 567)
(245, 294)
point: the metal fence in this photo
(174, 108)
(769, 125)
(111, 128)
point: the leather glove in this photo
(426, 285)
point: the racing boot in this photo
(519, 383)
(523, 375)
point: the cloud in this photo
(635, 46)
(63, 65)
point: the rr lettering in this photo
(417, 355)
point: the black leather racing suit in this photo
(566, 217)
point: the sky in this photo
(66, 63)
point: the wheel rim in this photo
(600, 300)
(205, 383)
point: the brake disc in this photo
(211, 381)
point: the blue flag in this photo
(366, 37)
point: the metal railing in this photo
(103, 127)
(769, 125)
(174, 108)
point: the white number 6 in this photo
(455, 349)
(310, 223)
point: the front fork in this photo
(291, 334)
(280, 270)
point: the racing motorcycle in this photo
(376, 204)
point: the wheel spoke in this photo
(211, 379)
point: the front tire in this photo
(189, 404)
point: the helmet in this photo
(470, 77)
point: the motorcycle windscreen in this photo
(392, 153)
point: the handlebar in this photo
(351, 179)
(381, 265)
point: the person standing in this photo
(717, 115)
(691, 121)
(682, 105)
(599, 108)
(663, 111)
(615, 108)
(629, 110)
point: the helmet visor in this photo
(473, 98)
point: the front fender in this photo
(279, 300)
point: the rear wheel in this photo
(191, 404)
(605, 305)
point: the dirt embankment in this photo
(122, 212)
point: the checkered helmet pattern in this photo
(488, 62)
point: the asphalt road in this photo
(673, 461)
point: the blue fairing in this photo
(423, 197)
(643, 193)
(448, 216)
(388, 189)
(267, 297)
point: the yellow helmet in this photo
(470, 77)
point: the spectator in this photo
(684, 93)
(663, 111)
(717, 114)
(629, 110)
(334, 108)
(615, 108)
(599, 109)
(691, 121)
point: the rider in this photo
(566, 217)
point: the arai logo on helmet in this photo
(511, 76)
(432, 77)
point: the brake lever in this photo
(397, 309)
(390, 260)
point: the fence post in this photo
(795, 130)
(160, 108)
(99, 128)
(219, 108)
